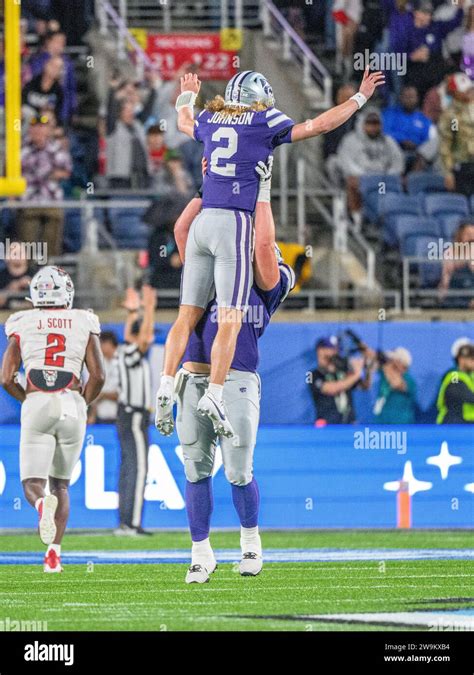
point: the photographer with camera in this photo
(396, 398)
(455, 401)
(335, 378)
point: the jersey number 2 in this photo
(56, 345)
(230, 135)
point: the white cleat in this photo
(164, 421)
(215, 410)
(250, 565)
(47, 524)
(52, 563)
(197, 574)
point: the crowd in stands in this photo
(136, 146)
(421, 123)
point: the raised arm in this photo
(333, 118)
(265, 266)
(145, 336)
(190, 86)
(10, 367)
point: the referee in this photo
(134, 407)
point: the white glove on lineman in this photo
(264, 170)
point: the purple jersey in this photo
(233, 146)
(262, 304)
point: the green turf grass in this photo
(154, 597)
(271, 539)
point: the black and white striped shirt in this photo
(135, 379)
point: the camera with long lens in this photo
(351, 344)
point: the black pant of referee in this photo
(132, 427)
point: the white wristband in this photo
(265, 191)
(186, 99)
(359, 98)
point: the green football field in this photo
(93, 594)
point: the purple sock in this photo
(199, 503)
(246, 500)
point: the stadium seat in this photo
(390, 206)
(407, 226)
(429, 273)
(449, 223)
(424, 181)
(128, 229)
(438, 204)
(72, 231)
(370, 186)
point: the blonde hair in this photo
(218, 105)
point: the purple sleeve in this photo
(198, 129)
(278, 127)
(283, 136)
(272, 299)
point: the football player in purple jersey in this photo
(238, 133)
(273, 280)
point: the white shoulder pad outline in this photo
(94, 321)
(288, 272)
(275, 117)
(12, 323)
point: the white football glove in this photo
(264, 170)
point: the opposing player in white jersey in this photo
(53, 341)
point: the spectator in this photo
(458, 274)
(54, 45)
(468, 44)
(421, 38)
(15, 277)
(457, 140)
(104, 409)
(164, 262)
(175, 140)
(166, 167)
(396, 398)
(366, 150)
(371, 26)
(44, 92)
(45, 164)
(333, 382)
(347, 15)
(127, 154)
(143, 102)
(332, 140)
(414, 132)
(455, 401)
(437, 100)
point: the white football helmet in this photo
(52, 287)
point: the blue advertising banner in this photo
(341, 476)
(288, 356)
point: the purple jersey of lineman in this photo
(262, 305)
(233, 146)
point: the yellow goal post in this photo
(12, 183)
